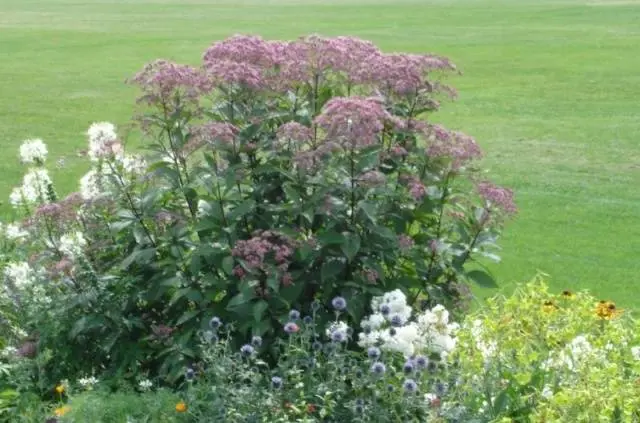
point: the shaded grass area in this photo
(550, 90)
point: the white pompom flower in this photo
(33, 152)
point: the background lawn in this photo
(551, 91)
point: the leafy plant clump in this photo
(279, 174)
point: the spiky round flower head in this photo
(397, 320)
(392, 331)
(339, 303)
(307, 320)
(276, 382)
(385, 309)
(422, 362)
(338, 336)
(373, 352)
(408, 367)
(256, 341)
(189, 374)
(247, 350)
(390, 388)
(317, 345)
(291, 328)
(33, 151)
(378, 368)
(215, 323)
(211, 337)
(294, 315)
(410, 386)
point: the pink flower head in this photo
(214, 133)
(456, 146)
(354, 122)
(407, 73)
(405, 242)
(497, 197)
(372, 178)
(162, 80)
(294, 132)
(263, 246)
(417, 190)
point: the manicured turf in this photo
(551, 90)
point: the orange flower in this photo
(61, 411)
(181, 407)
(607, 310)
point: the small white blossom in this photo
(547, 392)
(134, 164)
(19, 273)
(102, 136)
(33, 151)
(72, 244)
(145, 384)
(635, 352)
(34, 189)
(88, 382)
(14, 231)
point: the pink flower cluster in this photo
(497, 197)
(353, 122)
(161, 80)
(264, 246)
(458, 147)
(213, 133)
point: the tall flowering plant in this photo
(280, 173)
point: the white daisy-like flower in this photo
(145, 384)
(14, 231)
(33, 151)
(20, 273)
(72, 244)
(102, 136)
(88, 382)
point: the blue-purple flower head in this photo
(317, 345)
(338, 336)
(422, 362)
(378, 368)
(256, 341)
(339, 303)
(247, 350)
(190, 374)
(385, 309)
(392, 331)
(276, 382)
(215, 323)
(359, 407)
(397, 320)
(307, 320)
(294, 315)
(410, 386)
(408, 367)
(373, 352)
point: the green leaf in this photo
(242, 209)
(351, 246)
(368, 159)
(187, 316)
(330, 269)
(482, 278)
(369, 209)
(258, 310)
(331, 238)
(227, 265)
(137, 256)
(236, 301)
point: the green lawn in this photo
(551, 90)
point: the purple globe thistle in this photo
(256, 341)
(215, 323)
(338, 336)
(190, 374)
(291, 328)
(339, 303)
(397, 320)
(378, 368)
(390, 388)
(294, 315)
(422, 362)
(317, 345)
(307, 320)
(373, 352)
(316, 306)
(408, 367)
(247, 350)
(359, 408)
(410, 386)
(393, 331)
(211, 337)
(276, 382)
(385, 309)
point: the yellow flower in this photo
(61, 411)
(607, 310)
(60, 389)
(181, 407)
(567, 294)
(549, 306)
